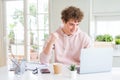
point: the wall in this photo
(2, 49)
(56, 6)
(116, 61)
(107, 7)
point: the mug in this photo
(57, 67)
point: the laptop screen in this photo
(94, 60)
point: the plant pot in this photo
(103, 44)
(73, 74)
(117, 47)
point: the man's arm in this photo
(46, 53)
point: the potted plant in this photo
(73, 71)
(103, 40)
(34, 48)
(117, 42)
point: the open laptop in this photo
(94, 60)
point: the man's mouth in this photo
(71, 30)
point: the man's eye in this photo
(71, 24)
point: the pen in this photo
(15, 62)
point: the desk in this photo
(9, 75)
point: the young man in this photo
(68, 40)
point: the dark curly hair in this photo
(72, 13)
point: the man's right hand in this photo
(53, 37)
(51, 41)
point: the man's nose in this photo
(74, 26)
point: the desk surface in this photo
(5, 74)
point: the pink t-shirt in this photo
(67, 48)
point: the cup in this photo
(57, 67)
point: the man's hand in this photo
(53, 37)
(51, 41)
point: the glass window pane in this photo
(43, 21)
(17, 49)
(15, 28)
(19, 36)
(33, 37)
(33, 52)
(32, 7)
(108, 25)
(42, 6)
(41, 37)
(37, 28)
(32, 23)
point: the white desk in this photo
(9, 75)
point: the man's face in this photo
(71, 26)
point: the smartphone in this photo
(44, 71)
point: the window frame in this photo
(25, 6)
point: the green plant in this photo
(104, 38)
(11, 37)
(72, 67)
(117, 39)
(46, 36)
(11, 34)
(108, 38)
(99, 38)
(35, 47)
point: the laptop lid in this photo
(94, 60)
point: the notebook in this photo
(94, 60)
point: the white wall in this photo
(116, 61)
(107, 8)
(2, 49)
(56, 6)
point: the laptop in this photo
(95, 60)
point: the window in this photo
(27, 27)
(106, 25)
(15, 28)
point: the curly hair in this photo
(72, 13)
